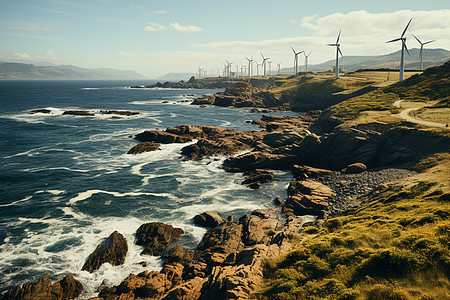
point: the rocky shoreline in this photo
(332, 167)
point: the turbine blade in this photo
(417, 39)
(429, 42)
(404, 31)
(262, 55)
(331, 44)
(292, 49)
(339, 35)
(394, 40)
(406, 48)
(309, 53)
(339, 49)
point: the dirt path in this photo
(404, 114)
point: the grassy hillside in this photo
(432, 85)
(395, 247)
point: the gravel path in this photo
(405, 115)
(350, 186)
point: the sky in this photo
(155, 37)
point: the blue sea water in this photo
(66, 182)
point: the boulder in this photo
(354, 168)
(307, 197)
(255, 178)
(161, 137)
(40, 111)
(208, 219)
(144, 147)
(305, 172)
(156, 237)
(278, 139)
(43, 289)
(113, 250)
(119, 112)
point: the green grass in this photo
(395, 247)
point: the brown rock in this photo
(305, 172)
(144, 147)
(43, 289)
(113, 250)
(354, 168)
(156, 237)
(208, 219)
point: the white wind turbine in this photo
(338, 51)
(402, 58)
(249, 66)
(264, 63)
(421, 50)
(257, 68)
(228, 68)
(306, 60)
(279, 67)
(296, 60)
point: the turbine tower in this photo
(338, 51)
(264, 63)
(306, 60)
(199, 72)
(421, 50)
(249, 66)
(257, 68)
(228, 68)
(296, 60)
(402, 57)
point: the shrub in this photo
(333, 224)
(383, 292)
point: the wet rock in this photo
(119, 112)
(162, 137)
(156, 237)
(113, 250)
(255, 178)
(208, 219)
(43, 289)
(354, 168)
(40, 111)
(259, 160)
(144, 147)
(78, 113)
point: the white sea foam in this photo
(17, 202)
(87, 194)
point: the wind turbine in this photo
(249, 66)
(199, 72)
(306, 60)
(402, 58)
(228, 68)
(264, 63)
(296, 60)
(279, 66)
(421, 50)
(257, 68)
(338, 51)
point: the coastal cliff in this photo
(367, 236)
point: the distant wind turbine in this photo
(421, 50)
(279, 66)
(338, 51)
(264, 63)
(199, 72)
(306, 60)
(257, 68)
(228, 68)
(402, 58)
(249, 66)
(296, 60)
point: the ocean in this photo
(66, 181)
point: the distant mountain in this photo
(432, 57)
(177, 76)
(9, 70)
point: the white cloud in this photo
(48, 56)
(190, 28)
(155, 27)
(22, 56)
(160, 12)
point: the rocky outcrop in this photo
(308, 197)
(78, 113)
(227, 264)
(156, 237)
(113, 250)
(305, 172)
(161, 137)
(208, 219)
(144, 147)
(43, 289)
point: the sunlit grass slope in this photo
(395, 247)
